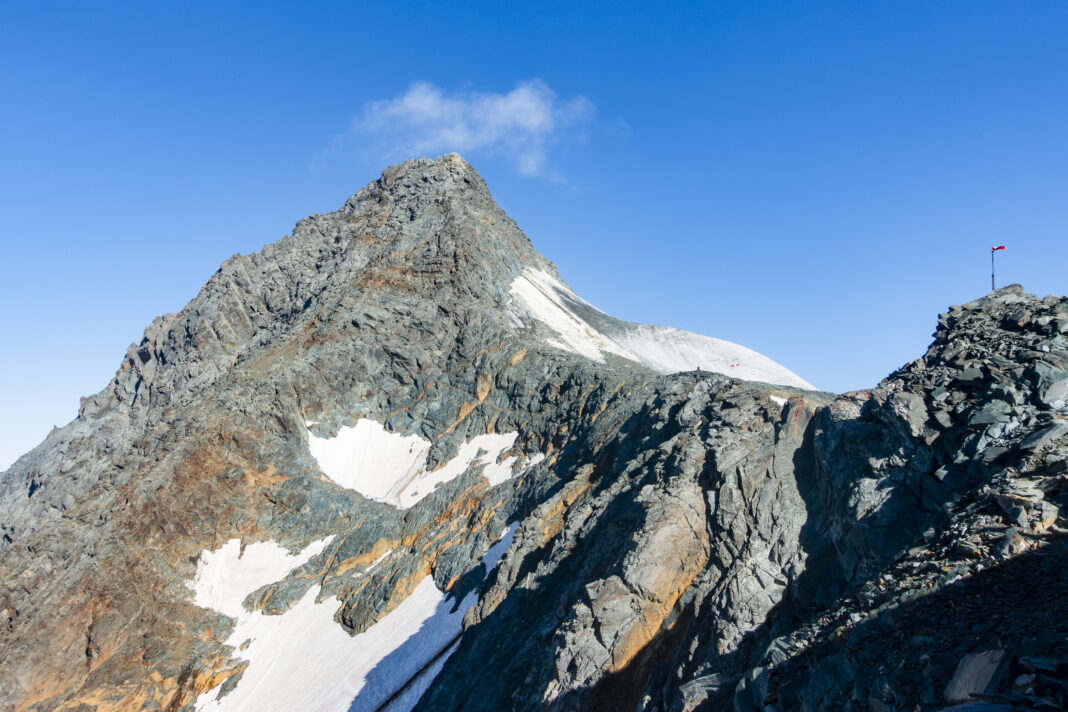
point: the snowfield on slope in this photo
(391, 468)
(539, 295)
(303, 660)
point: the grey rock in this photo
(1011, 544)
(707, 688)
(1014, 511)
(977, 673)
(993, 412)
(687, 540)
(1044, 437)
(993, 454)
(1051, 384)
(943, 419)
(970, 376)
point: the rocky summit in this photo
(392, 462)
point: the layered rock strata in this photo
(393, 462)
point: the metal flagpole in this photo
(993, 249)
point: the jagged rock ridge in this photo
(393, 462)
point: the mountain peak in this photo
(446, 174)
(434, 222)
(394, 447)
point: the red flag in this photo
(999, 247)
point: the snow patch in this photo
(493, 555)
(480, 450)
(391, 468)
(534, 460)
(540, 295)
(499, 472)
(670, 350)
(405, 701)
(303, 660)
(370, 460)
(226, 576)
(778, 400)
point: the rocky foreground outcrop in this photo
(392, 462)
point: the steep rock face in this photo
(828, 564)
(393, 462)
(398, 309)
(694, 500)
(950, 542)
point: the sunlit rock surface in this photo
(393, 462)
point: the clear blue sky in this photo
(815, 180)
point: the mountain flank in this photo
(393, 462)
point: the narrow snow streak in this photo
(391, 468)
(409, 695)
(372, 566)
(406, 697)
(662, 348)
(303, 660)
(539, 293)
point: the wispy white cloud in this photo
(520, 126)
